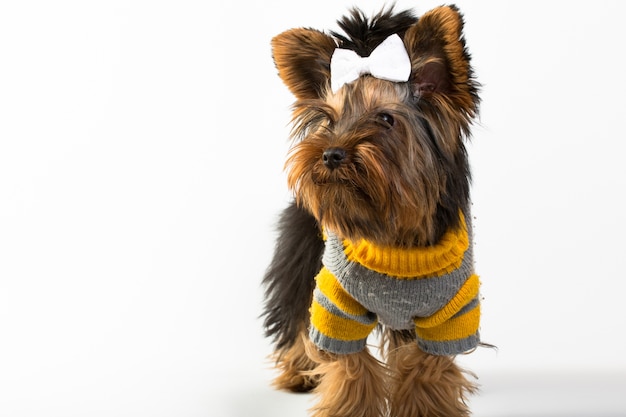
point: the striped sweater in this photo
(430, 289)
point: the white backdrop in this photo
(141, 152)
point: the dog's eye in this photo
(310, 123)
(386, 120)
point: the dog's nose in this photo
(333, 157)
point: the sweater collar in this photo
(419, 262)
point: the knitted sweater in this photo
(430, 289)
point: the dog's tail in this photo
(289, 279)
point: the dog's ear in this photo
(302, 57)
(440, 62)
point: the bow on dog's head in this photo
(388, 61)
(428, 53)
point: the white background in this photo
(141, 153)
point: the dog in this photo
(378, 237)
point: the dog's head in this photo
(381, 113)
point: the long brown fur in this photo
(297, 368)
(425, 385)
(402, 181)
(349, 384)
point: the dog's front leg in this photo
(424, 385)
(351, 385)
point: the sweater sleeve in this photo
(453, 329)
(339, 324)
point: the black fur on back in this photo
(289, 280)
(363, 35)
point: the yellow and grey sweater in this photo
(433, 290)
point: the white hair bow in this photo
(388, 61)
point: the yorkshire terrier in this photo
(379, 233)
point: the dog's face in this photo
(377, 159)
